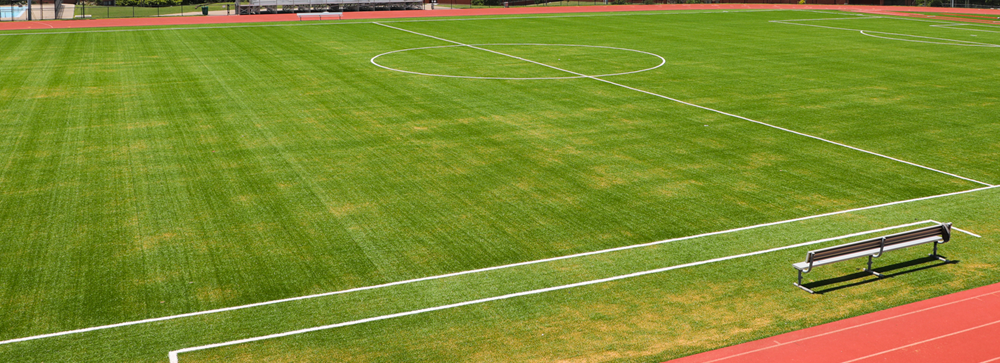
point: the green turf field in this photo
(152, 173)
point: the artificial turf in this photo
(152, 173)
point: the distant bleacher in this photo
(306, 6)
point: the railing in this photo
(105, 12)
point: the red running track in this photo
(957, 328)
(193, 20)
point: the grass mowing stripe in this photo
(173, 355)
(241, 307)
(699, 106)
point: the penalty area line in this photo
(174, 358)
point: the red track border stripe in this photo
(201, 20)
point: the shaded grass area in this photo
(202, 173)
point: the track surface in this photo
(193, 20)
(961, 327)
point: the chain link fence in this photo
(13, 10)
(106, 10)
(475, 4)
(19, 10)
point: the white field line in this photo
(662, 61)
(402, 282)
(966, 232)
(428, 278)
(486, 269)
(174, 359)
(964, 43)
(859, 17)
(959, 229)
(854, 326)
(870, 32)
(694, 105)
(957, 26)
(472, 18)
(924, 341)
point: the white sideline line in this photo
(402, 282)
(693, 105)
(959, 229)
(966, 232)
(453, 274)
(861, 16)
(862, 31)
(958, 26)
(174, 359)
(952, 41)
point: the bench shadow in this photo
(889, 271)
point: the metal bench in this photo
(320, 15)
(874, 248)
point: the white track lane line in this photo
(853, 327)
(991, 360)
(923, 341)
(436, 277)
(693, 105)
(174, 358)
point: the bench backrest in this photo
(943, 230)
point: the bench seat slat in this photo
(801, 266)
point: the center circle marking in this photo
(662, 61)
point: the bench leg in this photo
(870, 268)
(936, 255)
(799, 284)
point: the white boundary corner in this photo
(174, 355)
